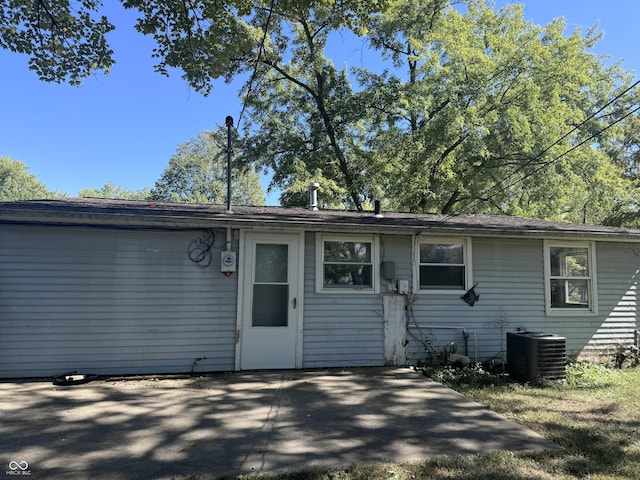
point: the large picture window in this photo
(570, 277)
(347, 263)
(442, 264)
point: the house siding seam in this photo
(110, 302)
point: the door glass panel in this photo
(270, 305)
(271, 263)
(271, 287)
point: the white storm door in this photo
(271, 301)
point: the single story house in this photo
(126, 287)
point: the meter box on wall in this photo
(228, 262)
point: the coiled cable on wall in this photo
(199, 250)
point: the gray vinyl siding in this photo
(510, 281)
(618, 272)
(397, 249)
(339, 329)
(344, 330)
(510, 277)
(111, 301)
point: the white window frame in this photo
(321, 238)
(592, 280)
(466, 254)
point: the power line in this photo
(487, 195)
(547, 163)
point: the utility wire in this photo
(487, 195)
(467, 209)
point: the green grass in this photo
(594, 416)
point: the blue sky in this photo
(123, 128)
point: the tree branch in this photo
(290, 77)
(433, 174)
(451, 202)
(329, 128)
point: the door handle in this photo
(295, 302)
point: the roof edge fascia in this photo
(198, 222)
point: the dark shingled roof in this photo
(145, 214)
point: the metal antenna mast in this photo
(229, 123)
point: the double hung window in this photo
(443, 264)
(570, 278)
(347, 263)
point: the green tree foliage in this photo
(483, 112)
(64, 39)
(304, 121)
(197, 173)
(209, 40)
(109, 190)
(625, 150)
(206, 40)
(479, 111)
(17, 184)
(260, 38)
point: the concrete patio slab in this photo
(243, 422)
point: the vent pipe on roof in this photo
(377, 213)
(313, 196)
(229, 123)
